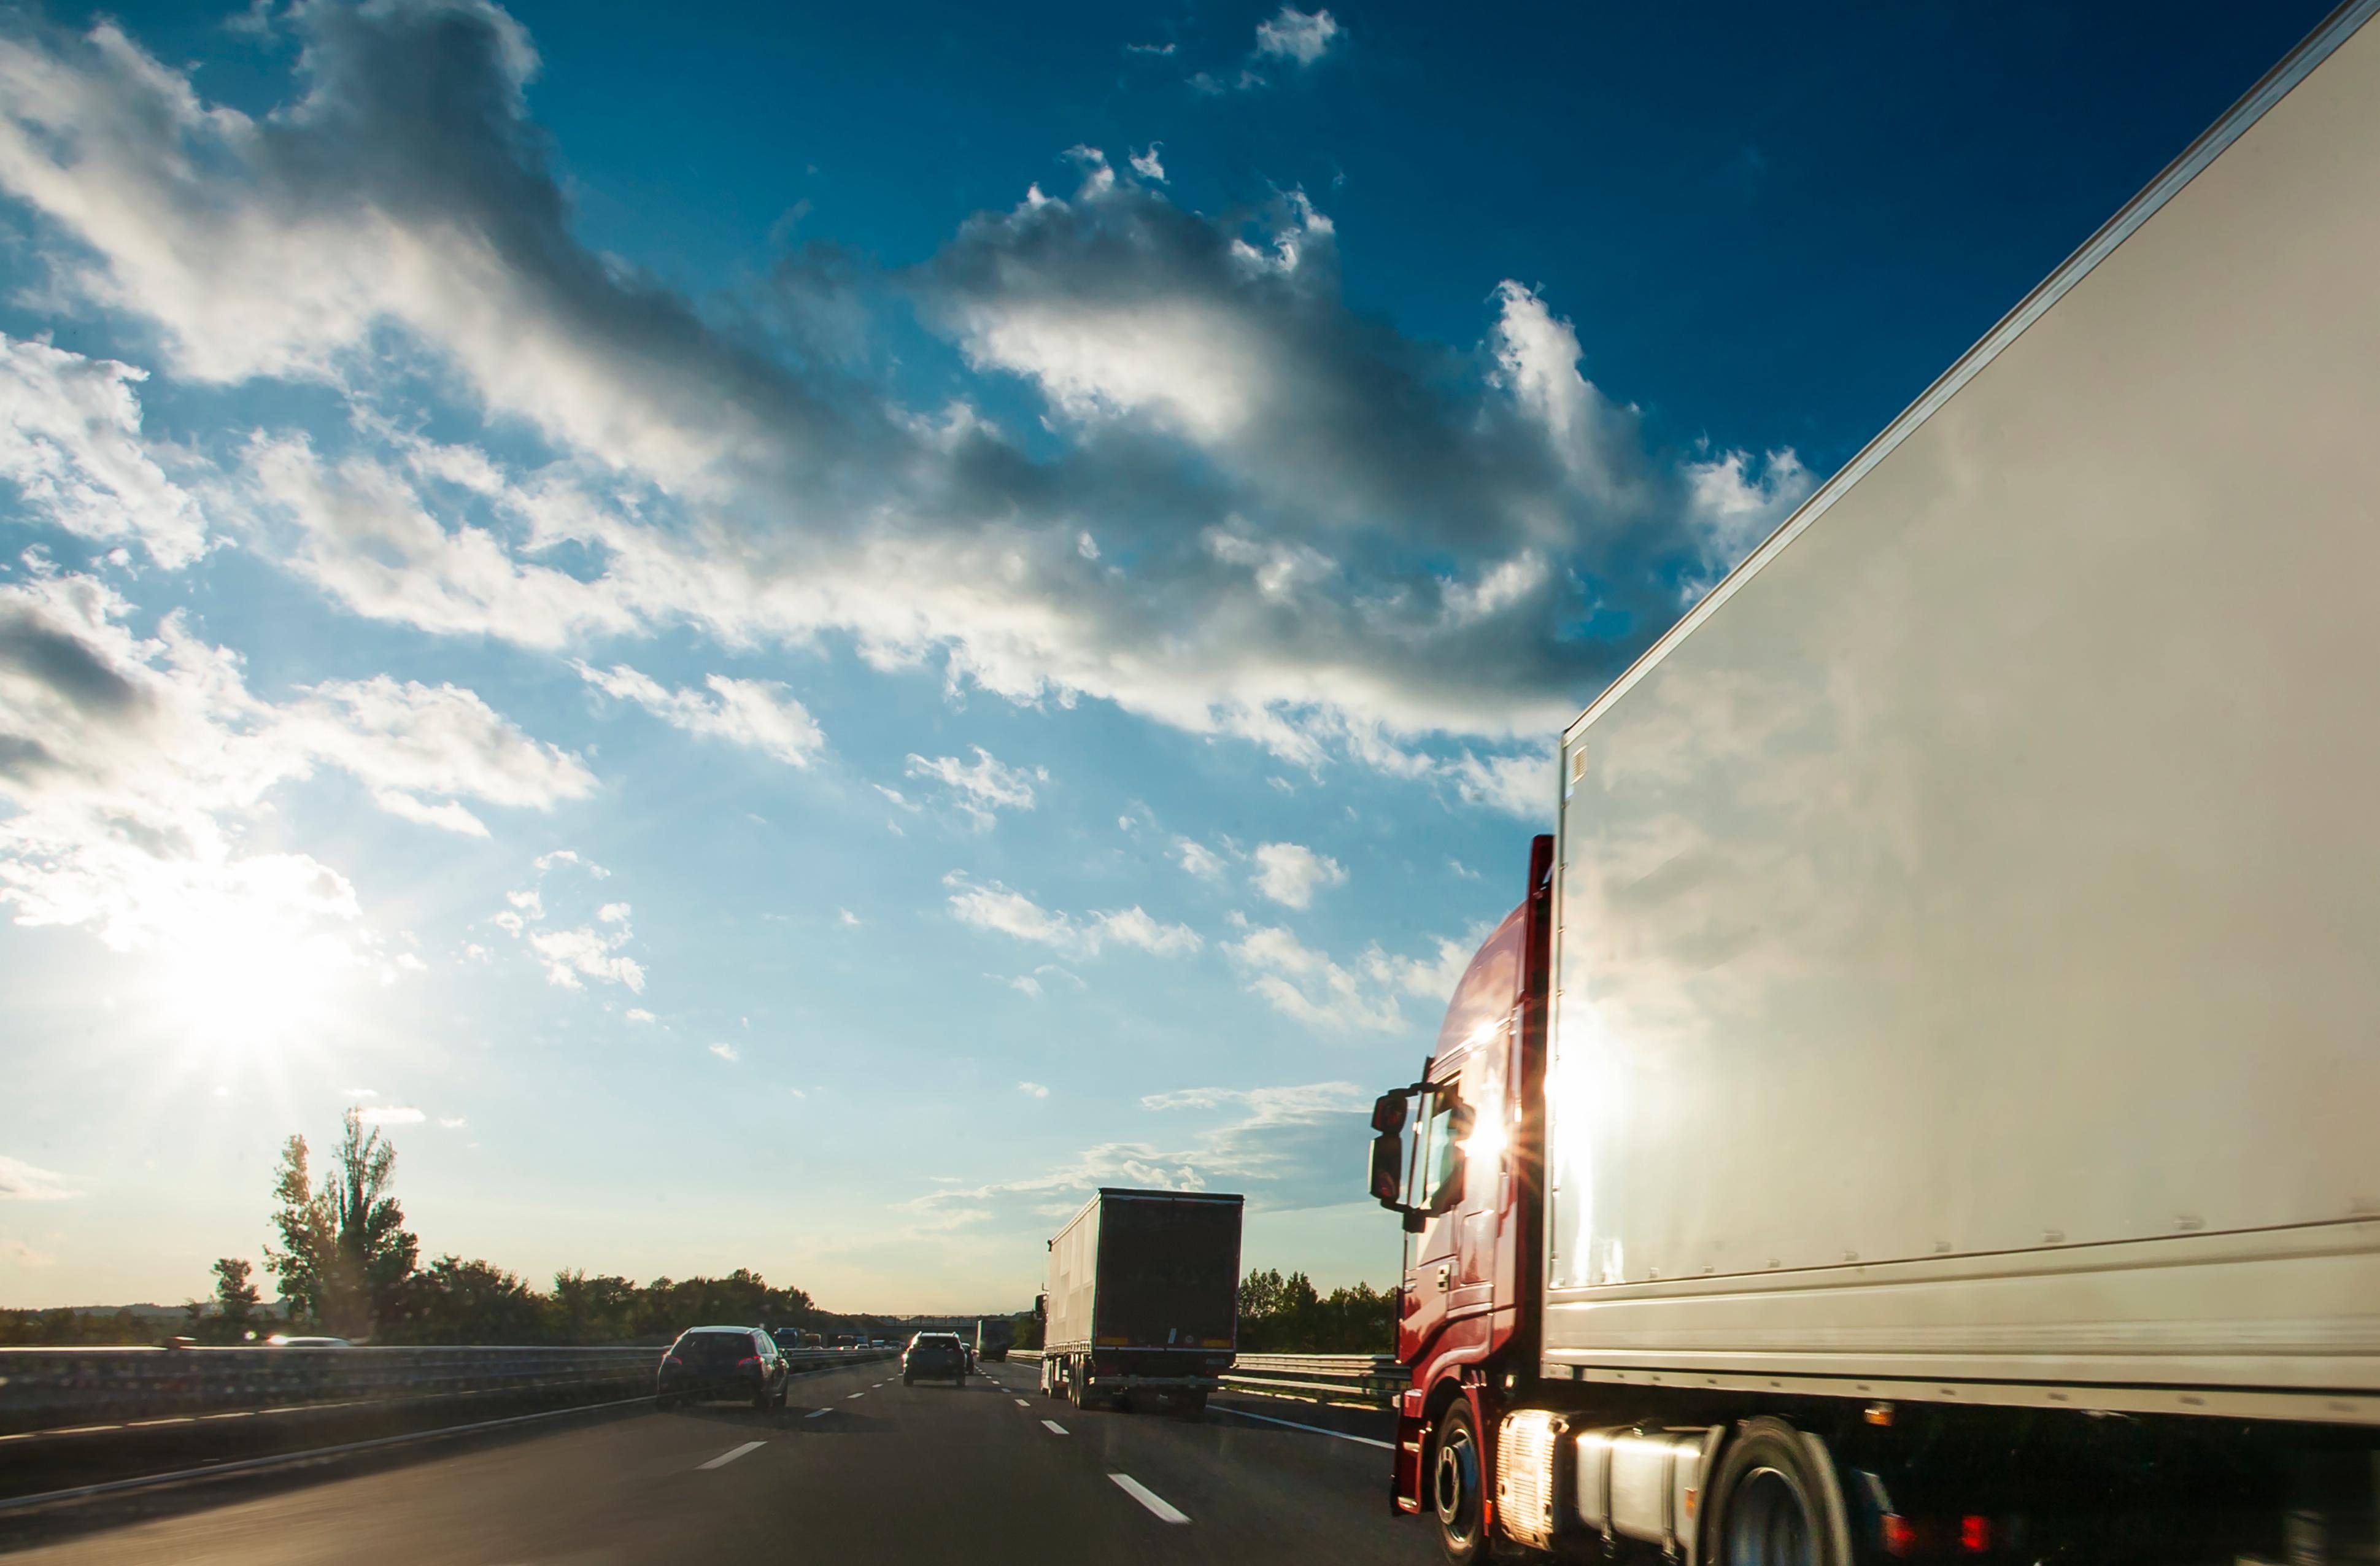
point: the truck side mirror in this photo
(1389, 1169)
(1388, 1113)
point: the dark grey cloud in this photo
(1266, 513)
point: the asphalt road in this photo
(858, 1468)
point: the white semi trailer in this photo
(1929, 1104)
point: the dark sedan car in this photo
(936, 1355)
(738, 1363)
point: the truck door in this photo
(1481, 1216)
(1437, 1166)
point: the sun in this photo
(246, 978)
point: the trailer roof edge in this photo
(2269, 89)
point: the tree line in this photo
(1281, 1315)
(347, 1267)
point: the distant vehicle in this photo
(1144, 1299)
(994, 1336)
(936, 1355)
(812, 1340)
(741, 1363)
(845, 1340)
(284, 1341)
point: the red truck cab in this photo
(1458, 1153)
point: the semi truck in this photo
(994, 1335)
(1143, 1300)
(1926, 1104)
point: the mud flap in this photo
(1405, 1474)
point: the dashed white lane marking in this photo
(1294, 1424)
(818, 1414)
(1163, 1510)
(1053, 1426)
(1022, 1403)
(725, 1458)
(857, 1394)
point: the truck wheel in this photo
(1456, 1487)
(1773, 1501)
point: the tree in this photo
(346, 1255)
(454, 1301)
(235, 1297)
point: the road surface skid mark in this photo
(1053, 1426)
(1161, 1509)
(725, 1458)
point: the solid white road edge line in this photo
(1317, 1429)
(725, 1458)
(1163, 1509)
(1053, 1426)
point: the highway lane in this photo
(856, 1468)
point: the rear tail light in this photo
(1975, 1534)
(751, 1361)
(1900, 1535)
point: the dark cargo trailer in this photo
(1144, 1298)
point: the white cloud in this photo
(1520, 785)
(407, 740)
(1733, 509)
(1307, 986)
(1198, 859)
(757, 713)
(570, 953)
(984, 785)
(1146, 165)
(996, 907)
(638, 1013)
(22, 1182)
(1301, 37)
(846, 918)
(612, 913)
(1033, 1089)
(70, 442)
(1291, 873)
(1267, 1105)
(390, 1114)
(1332, 528)
(454, 1123)
(726, 1052)
(132, 764)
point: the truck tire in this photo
(1773, 1501)
(1458, 1486)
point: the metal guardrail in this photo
(51, 1389)
(1368, 1380)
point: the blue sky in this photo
(785, 638)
